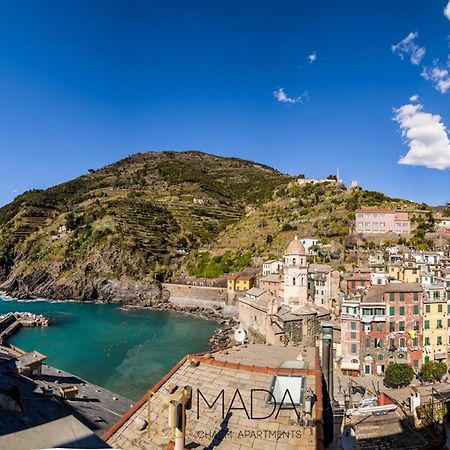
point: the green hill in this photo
(126, 221)
(158, 214)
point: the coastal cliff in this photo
(116, 233)
(112, 234)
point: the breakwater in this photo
(11, 322)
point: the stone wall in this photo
(201, 296)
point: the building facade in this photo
(379, 221)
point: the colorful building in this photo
(378, 221)
(239, 282)
(403, 303)
(435, 329)
(358, 281)
(350, 336)
(374, 332)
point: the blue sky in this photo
(86, 83)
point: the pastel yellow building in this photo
(434, 329)
(410, 274)
(393, 271)
(241, 283)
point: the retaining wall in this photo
(201, 296)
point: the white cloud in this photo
(281, 96)
(426, 135)
(447, 10)
(407, 47)
(414, 98)
(312, 57)
(438, 75)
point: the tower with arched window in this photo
(295, 274)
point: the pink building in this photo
(376, 221)
(350, 337)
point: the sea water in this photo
(123, 351)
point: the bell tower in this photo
(295, 274)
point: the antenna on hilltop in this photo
(337, 174)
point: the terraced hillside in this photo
(326, 211)
(109, 234)
(127, 221)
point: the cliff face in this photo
(113, 234)
(107, 235)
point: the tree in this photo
(433, 371)
(398, 375)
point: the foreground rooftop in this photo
(242, 368)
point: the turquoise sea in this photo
(123, 351)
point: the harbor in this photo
(11, 322)
(122, 351)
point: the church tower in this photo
(295, 274)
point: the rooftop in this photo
(94, 406)
(238, 369)
(403, 287)
(272, 278)
(374, 295)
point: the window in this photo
(392, 311)
(353, 325)
(427, 341)
(416, 342)
(401, 326)
(379, 327)
(427, 308)
(402, 296)
(367, 342)
(392, 326)
(427, 359)
(377, 343)
(380, 356)
(392, 295)
(416, 296)
(439, 340)
(416, 325)
(416, 309)
(293, 281)
(440, 308)
(402, 310)
(439, 324)
(426, 324)
(352, 335)
(353, 348)
(402, 342)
